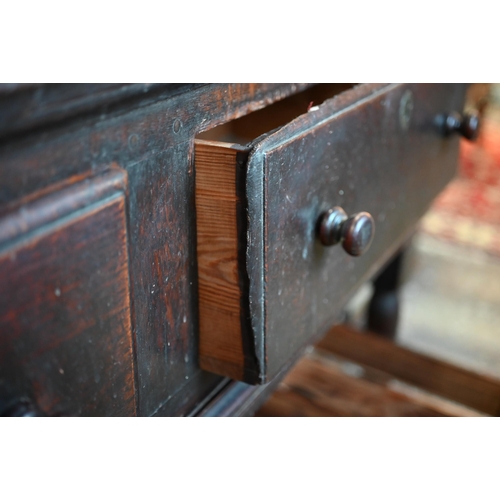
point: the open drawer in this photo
(270, 281)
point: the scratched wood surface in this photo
(338, 155)
(47, 138)
(65, 316)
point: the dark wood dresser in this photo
(172, 249)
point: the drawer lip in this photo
(257, 184)
(329, 110)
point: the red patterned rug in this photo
(468, 211)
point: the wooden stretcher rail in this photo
(471, 389)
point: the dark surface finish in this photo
(26, 107)
(48, 207)
(329, 226)
(355, 232)
(65, 319)
(467, 124)
(52, 137)
(163, 248)
(470, 126)
(51, 142)
(383, 309)
(354, 151)
(19, 407)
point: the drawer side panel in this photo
(221, 241)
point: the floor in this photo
(450, 300)
(326, 385)
(451, 305)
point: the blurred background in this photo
(450, 294)
(449, 307)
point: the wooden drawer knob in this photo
(467, 125)
(354, 232)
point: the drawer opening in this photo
(267, 285)
(247, 128)
(220, 155)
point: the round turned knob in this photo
(354, 232)
(467, 125)
(470, 125)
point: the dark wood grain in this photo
(152, 138)
(356, 152)
(26, 107)
(261, 122)
(53, 137)
(128, 135)
(65, 318)
(476, 391)
(163, 239)
(51, 205)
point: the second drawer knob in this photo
(354, 232)
(467, 125)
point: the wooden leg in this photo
(383, 310)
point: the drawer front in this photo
(65, 326)
(375, 148)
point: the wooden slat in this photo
(318, 388)
(220, 288)
(455, 383)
